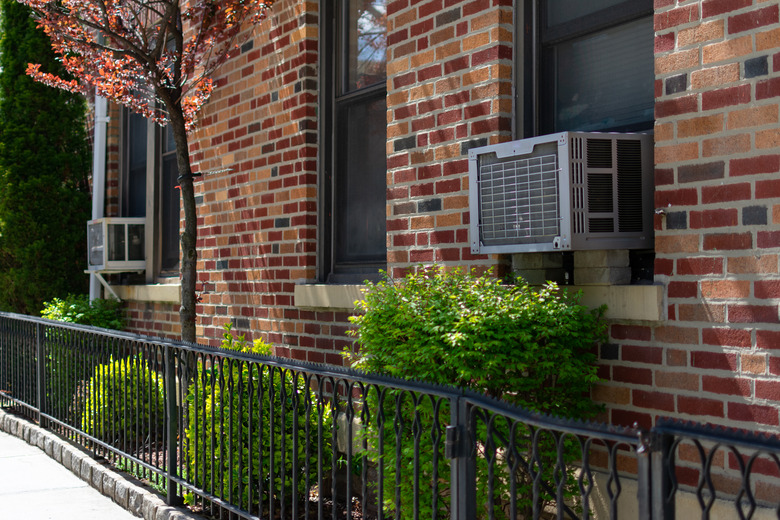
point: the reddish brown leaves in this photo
(144, 55)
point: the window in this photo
(353, 137)
(587, 66)
(148, 189)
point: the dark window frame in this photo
(337, 98)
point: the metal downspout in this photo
(98, 176)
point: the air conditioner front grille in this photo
(519, 199)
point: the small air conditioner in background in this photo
(562, 192)
(116, 244)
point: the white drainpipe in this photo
(98, 175)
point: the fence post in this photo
(644, 454)
(40, 364)
(463, 462)
(172, 426)
(663, 468)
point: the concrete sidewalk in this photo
(35, 487)
(45, 477)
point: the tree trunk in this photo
(188, 238)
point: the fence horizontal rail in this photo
(237, 434)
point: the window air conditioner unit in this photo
(562, 192)
(116, 244)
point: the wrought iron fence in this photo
(245, 436)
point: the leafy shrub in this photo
(125, 403)
(225, 410)
(530, 347)
(106, 314)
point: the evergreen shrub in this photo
(125, 403)
(532, 347)
(230, 406)
(44, 172)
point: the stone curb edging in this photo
(126, 492)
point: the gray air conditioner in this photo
(562, 192)
(116, 244)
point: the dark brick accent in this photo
(222, 264)
(754, 216)
(701, 172)
(248, 46)
(676, 84)
(282, 222)
(465, 146)
(405, 208)
(677, 220)
(426, 206)
(240, 323)
(198, 199)
(610, 351)
(756, 67)
(275, 171)
(448, 17)
(405, 144)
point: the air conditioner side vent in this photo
(599, 153)
(629, 174)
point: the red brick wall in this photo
(717, 156)
(257, 147)
(160, 320)
(449, 89)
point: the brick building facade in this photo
(280, 253)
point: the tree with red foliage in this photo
(157, 58)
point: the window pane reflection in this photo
(367, 43)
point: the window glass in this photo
(170, 218)
(135, 187)
(366, 43)
(361, 185)
(604, 81)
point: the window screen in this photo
(596, 65)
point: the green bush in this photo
(64, 369)
(106, 314)
(125, 403)
(530, 347)
(222, 429)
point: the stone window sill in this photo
(624, 302)
(167, 293)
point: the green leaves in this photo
(507, 339)
(106, 314)
(125, 402)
